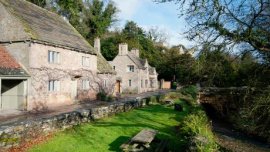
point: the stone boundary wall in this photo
(223, 100)
(14, 134)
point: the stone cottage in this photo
(134, 75)
(63, 67)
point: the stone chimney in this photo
(136, 52)
(123, 49)
(97, 44)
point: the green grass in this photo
(108, 134)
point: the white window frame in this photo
(104, 83)
(53, 85)
(131, 68)
(85, 61)
(85, 84)
(53, 57)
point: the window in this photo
(53, 57)
(146, 83)
(54, 85)
(142, 83)
(114, 67)
(85, 61)
(105, 83)
(129, 83)
(152, 83)
(130, 68)
(85, 85)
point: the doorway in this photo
(118, 87)
(12, 94)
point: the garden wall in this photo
(223, 100)
(16, 133)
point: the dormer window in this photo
(131, 68)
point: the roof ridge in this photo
(44, 25)
(130, 55)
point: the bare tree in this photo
(157, 35)
(229, 22)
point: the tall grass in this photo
(195, 126)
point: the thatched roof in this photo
(41, 26)
(103, 66)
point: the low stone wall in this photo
(16, 133)
(223, 100)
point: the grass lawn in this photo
(109, 133)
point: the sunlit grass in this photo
(108, 134)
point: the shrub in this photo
(101, 96)
(110, 98)
(190, 90)
(197, 128)
(174, 85)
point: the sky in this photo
(147, 14)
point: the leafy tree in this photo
(41, 3)
(109, 45)
(215, 68)
(133, 31)
(99, 17)
(177, 67)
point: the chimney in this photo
(123, 49)
(136, 52)
(97, 44)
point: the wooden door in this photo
(117, 86)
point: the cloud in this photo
(147, 14)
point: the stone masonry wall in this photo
(17, 133)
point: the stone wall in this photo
(223, 100)
(16, 133)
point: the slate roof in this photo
(141, 63)
(138, 61)
(9, 66)
(44, 26)
(151, 70)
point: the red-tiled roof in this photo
(6, 60)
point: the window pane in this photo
(57, 85)
(58, 57)
(130, 83)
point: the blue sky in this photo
(147, 13)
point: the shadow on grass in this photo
(131, 123)
(115, 145)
